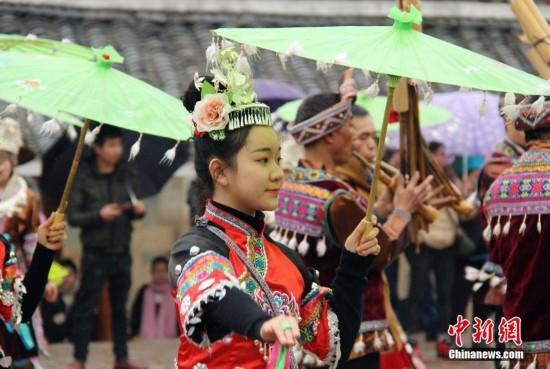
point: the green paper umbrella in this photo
(36, 45)
(397, 51)
(95, 91)
(430, 115)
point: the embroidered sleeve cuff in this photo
(204, 279)
(319, 333)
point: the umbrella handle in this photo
(76, 161)
(58, 218)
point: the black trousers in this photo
(98, 267)
(443, 263)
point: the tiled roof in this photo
(165, 49)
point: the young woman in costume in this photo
(237, 290)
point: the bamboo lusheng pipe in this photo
(461, 206)
(59, 214)
(428, 213)
(536, 31)
(391, 83)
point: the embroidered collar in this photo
(223, 216)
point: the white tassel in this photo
(71, 132)
(303, 247)
(477, 286)
(66, 41)
(31, 37)
(198, 80)
(539, 225)
(309, 360)
(278, 236)
(321, 247)
(341, 58)
(507, 226)
(243, 66)
(509, 99)
(483, 108)
(495, 281)
(284, 240)
(511, 112)
(373, 90)
(523, 226)
(273, 234)
(498, 228)
(538, 106)
(429, 95)
(294, 49)
(213, 54)
(505, 364)
(251, 51)
(323, 67)
(293, 243)
(377, 344)
(483, 276)
(359, 347)
(533, 365)
(470, 273)
(10, 109)
(389, 339)
(518, 365)
(91, 135)
(30, 117)
(6, 362)
(226, 44)
(298, 355)
(134, 151)
(50, 127)
(487, 235)
(170, 155)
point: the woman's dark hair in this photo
(207, 149)
(434, 146)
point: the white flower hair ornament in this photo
(229, 102)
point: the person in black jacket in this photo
(21, 295)
(103, 203)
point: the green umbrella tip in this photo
(107, 55)
(405, 20)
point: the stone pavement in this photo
(160, 354)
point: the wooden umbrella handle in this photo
(72, 174)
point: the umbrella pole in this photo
(59, 214)
(392, 84)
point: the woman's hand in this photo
(363, 244)
(282, 328)
(51, 235)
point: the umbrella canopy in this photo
(398, 51)
(93, 90)
(36, 45)
(429, 114)
(469, 133)
(275, 93)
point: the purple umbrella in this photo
(468, 133)
(275, 93)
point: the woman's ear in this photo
(217, 170)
